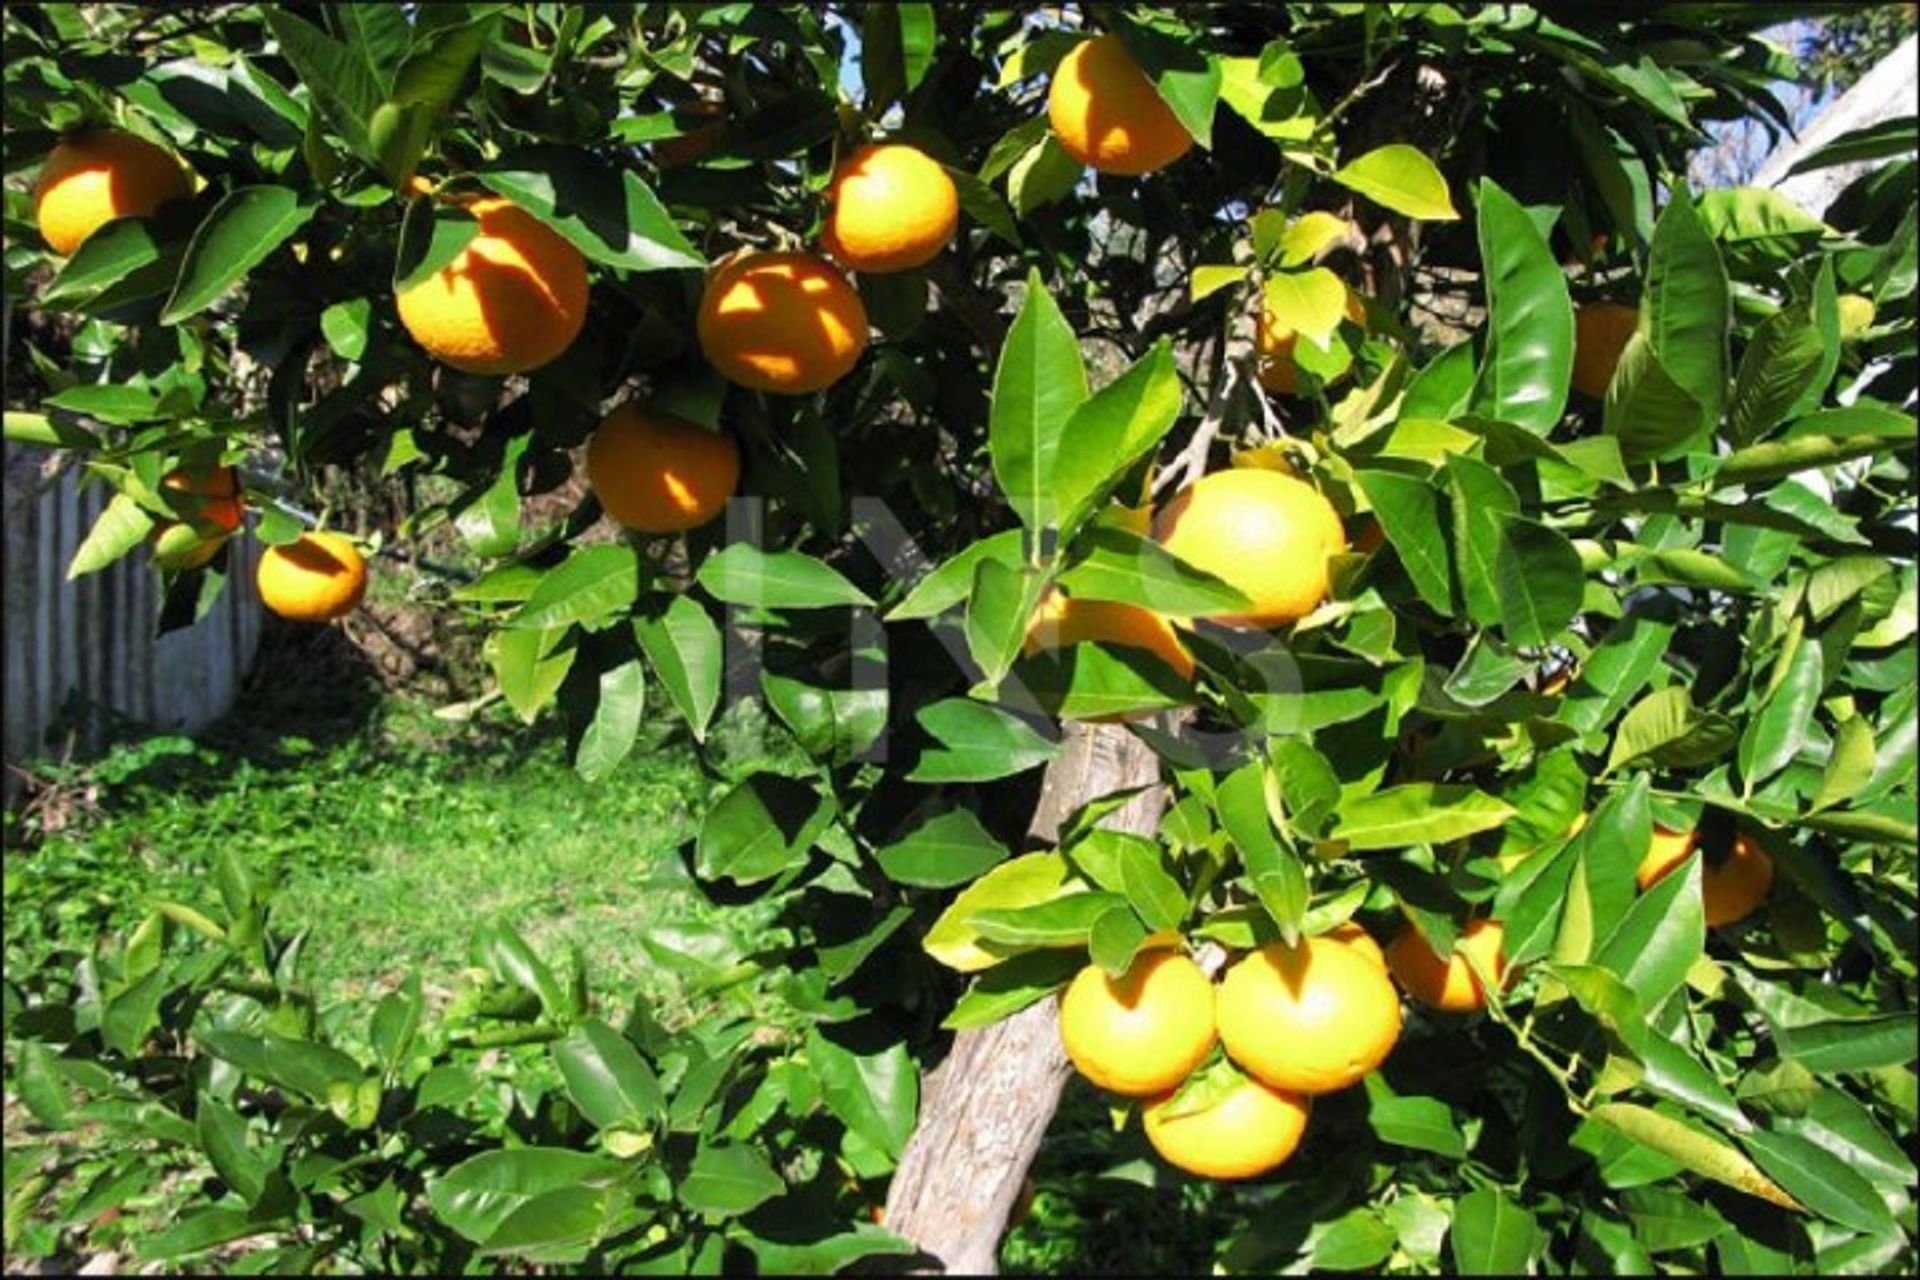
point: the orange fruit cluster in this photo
(1295, 1022)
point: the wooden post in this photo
(985, 1109)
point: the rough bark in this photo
(985, 1109)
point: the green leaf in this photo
(1045, 174)
(1705, 1154)
(1021, 882)
(1058, 922)
(1660, 937)
(945, 851)
(876, 1095)
(607, 1078)
(1037, 385)
(557, 1226)
(1848, 1044)
(1357, 1240)
(1734, 214)
(47, 433)
(223, 1136)
(1311, 303)
(1665, 726)
(1650, 413)
(1409, 515)
(609, 214)
(1012, 986)
(119, 405)
(743, 574)
(424, 85)
(1400, 178)
(1778, 365)
(248, 224)
(529, 667)
(123, 525)
(1113, 429)
(951, 582)
(1416, 813)
(396, 1019)
(500, 947)
(1153, 893)
(1213, 277)
(432, 235)
(1492, 1235)
(300, 1065)
(1004, 598)
(1686, 312)
(1424, 1124)
(1125, 567)
(1481, 502)
(108, 256)
(684, 646)
(1777, 732)
(764, 826)
(345, 327)
(343, 86)
(478, 1194)
(1115, 939)
(1279, 880)
(1820, 1180)
(897, 43)
(590, 584)
(1851, 765)
(1540, 582)
(1759, 463)
(40, 1087)
(1528, 362)
(977, 743)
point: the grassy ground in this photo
(393, 833)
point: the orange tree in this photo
(1214, 490)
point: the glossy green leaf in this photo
(1111, 430)
(1528, 360)
(1686, 312)
(1777, 732)
(607, 1078)
(1123, 566)
(609, 214)
(1409, 515)
(591, 583)
(684, 646)
(744, 574)
(1492, 1235)
(977, 743)
(248, 224)
(1400, 178)
(1539, 582)
(948, 850)
(1416, 813)
(1037, 386)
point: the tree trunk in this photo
(985, 1109)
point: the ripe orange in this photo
(1143, 1033)
(1267, 534)
(1312, 1018)
(1448, 984)
(782, 322)
(1250, 1131)
(1107, 114)
(91, 178)
(210, 508)
(1274, 342)
(1600, 333)
(511, 301)
(894, 209)
(1731, 888)
(1351, 933)
(658, 473)
(317, 578)
(1059, 622)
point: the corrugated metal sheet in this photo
(96, 637)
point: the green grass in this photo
(392, 834)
